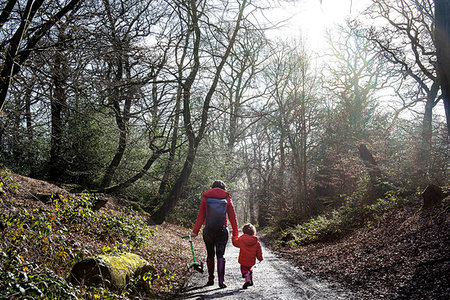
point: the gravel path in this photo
(274, 278)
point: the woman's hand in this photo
(234, 240)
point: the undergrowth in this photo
(338, 222)
(39, 244)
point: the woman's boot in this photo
(210, 265)
(221, 272)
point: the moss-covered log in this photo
(111, 271)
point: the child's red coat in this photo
(250, 249)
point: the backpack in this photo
(216, 210)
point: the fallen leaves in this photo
(404, 256)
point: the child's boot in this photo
(251, 278)
(247, 283)
(210, 265)
(221, 272)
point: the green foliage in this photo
(133, 228)
(117, 249)
(353, 214)
(148, 283)
(25, 280)
(38, 246)
(88, 144)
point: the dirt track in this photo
(274, 278)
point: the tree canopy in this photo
(153, 100)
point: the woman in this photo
(216, 204)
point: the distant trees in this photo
(278, 152)
(355, 73)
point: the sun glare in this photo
(309, 19)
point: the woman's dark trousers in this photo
(215, 241)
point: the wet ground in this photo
(274, 278)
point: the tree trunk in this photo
(122, 118)
(30, 157)
(432, 196)
(156, 154)
(28, 117)
(173, 146)
(16, 143)
(369, 161)
(375, 189)
(57, 102)
(251, 198)
(304, 160)
(425, 146)
(303, 146)
(169, 203)
(442, 41)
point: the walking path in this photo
(274, 278)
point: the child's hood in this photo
(248, 240)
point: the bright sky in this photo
(310, 18)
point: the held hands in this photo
(234, 240)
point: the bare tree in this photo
(294, 117)
(407, 41)
(196, 12)
(25, 35)
(123, 26)
(354, 74)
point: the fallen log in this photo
(111, 271)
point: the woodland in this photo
(145, 103)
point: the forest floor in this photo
(19, 205)
(405, 255)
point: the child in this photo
(250, 250)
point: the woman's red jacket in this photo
(220, 194)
